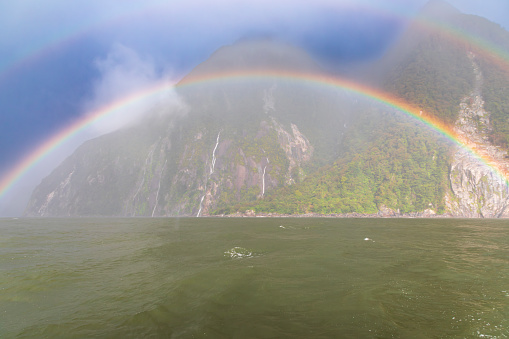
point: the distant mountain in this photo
(271, 144)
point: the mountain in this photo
(455, 70)
(253, 139)
(240, 138)
(452, 77)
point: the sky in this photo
(61, 60)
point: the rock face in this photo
(296, 146)
(162, 179)
(233, 170)
(477, 189)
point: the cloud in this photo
(124, 74)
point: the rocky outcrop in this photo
(477, 190)
(478, 185)
(296, 146)
(61, 192)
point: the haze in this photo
(61, 60)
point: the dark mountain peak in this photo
(440, 7)
(253, 55)
(480, 28)
(438, 10)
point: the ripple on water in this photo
(238, 252)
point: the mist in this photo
(123, 72)
(62, 61)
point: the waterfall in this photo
(159, 187)
(263, 177)
(199, 210)
(268, 99)
(213, 164)
(143, 177)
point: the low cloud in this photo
(132, 83)
(123, 73)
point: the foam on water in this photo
(238, 252)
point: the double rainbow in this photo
(80, 29)
(300, 78)
(484, 49)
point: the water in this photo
(254, 278)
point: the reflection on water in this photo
(254, 278)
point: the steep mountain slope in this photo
(431, 65)
(476, 191)
(447, 74)
(428, 67)
(240, 138)
(455, 69)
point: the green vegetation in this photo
(404, 168)
(495, 94)
(494, 63)
(435, 76)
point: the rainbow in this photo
(81, 29)
(482, 48)
(65, 134)
(303, 78)
(63, 37)
(129, 12)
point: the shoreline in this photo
(414, 215)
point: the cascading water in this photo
(213, 164)
(159, 187)
(142, 178)
(263, 177)
(199, 210)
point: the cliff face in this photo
(237, 141)
(214, 169)
(189, 174)
(476, 190)
(98, 176)
(229, 170)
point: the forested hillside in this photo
(404, 168)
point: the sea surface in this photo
(254, 278)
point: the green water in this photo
(254, 278)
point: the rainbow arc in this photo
(299, 78)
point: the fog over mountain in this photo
(433, 61)
(271, 144)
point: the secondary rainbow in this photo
(17, 172)
(81, 29)
(482, 48)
